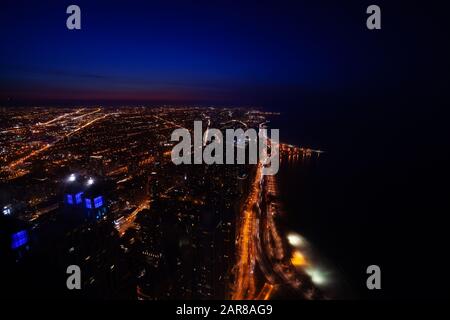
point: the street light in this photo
(71, 178)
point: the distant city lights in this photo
(90, 181)
(72, 178)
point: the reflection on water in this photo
(306, 258)
(297, 178)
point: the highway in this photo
(260, 247)
(244, 287)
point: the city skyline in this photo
(211, 229)
(88, 179)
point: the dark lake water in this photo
(374, 197)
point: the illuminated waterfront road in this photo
(260, 247)
(244, 287)
(273, 245)
(275, 261)
(248, 245)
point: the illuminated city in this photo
(219, 157)
(210, 228)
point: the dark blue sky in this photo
(222, 52)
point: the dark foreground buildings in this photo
(181, 247)
(35, 258)
(187, 236)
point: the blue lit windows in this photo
(98, 202)
(88, 203)
(69, 198)
(74, 198)
(19, 239)
(78, 198)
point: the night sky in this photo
(215, 52)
